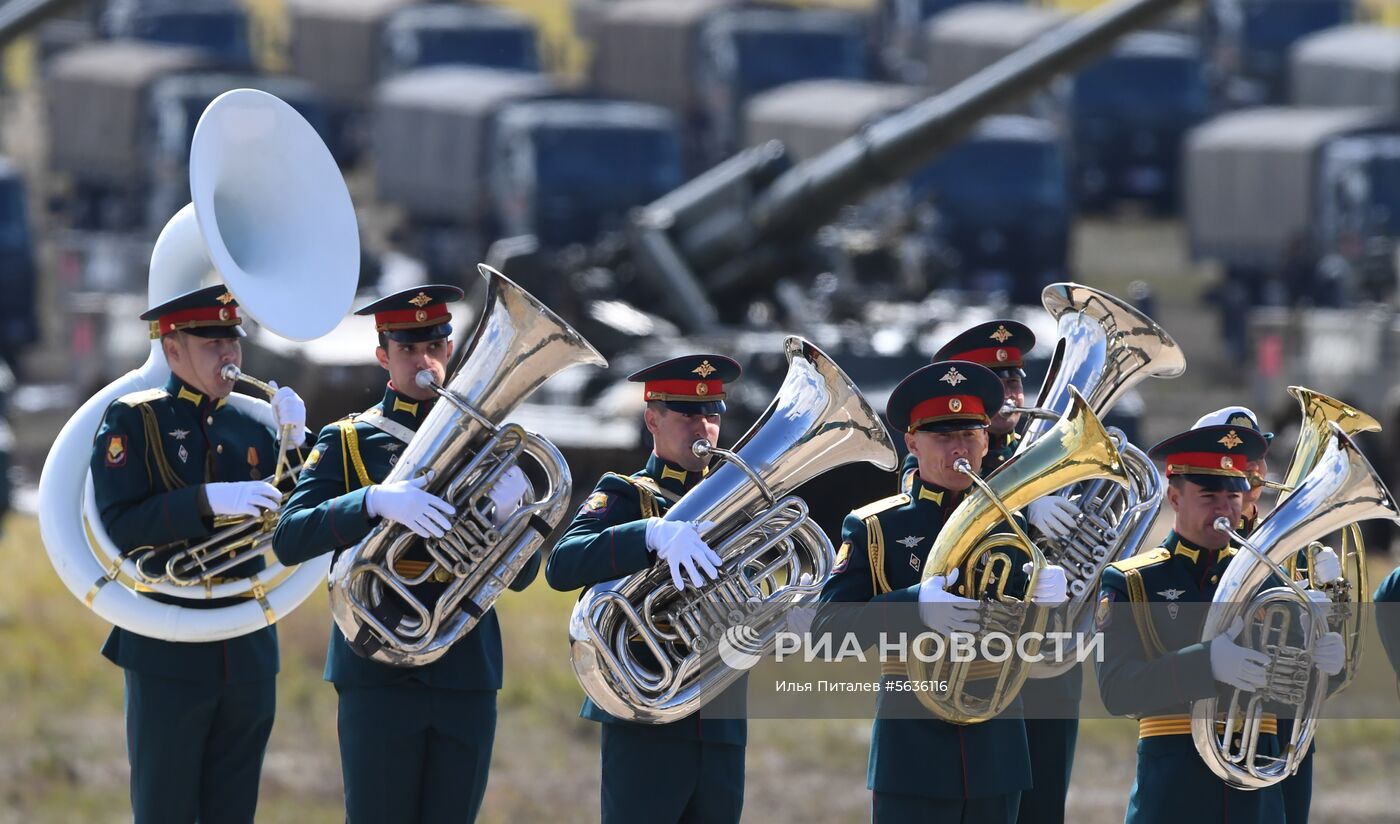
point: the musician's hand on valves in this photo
(678, 543)
(1240, 667)
(1051, 585)
(241, 497)
(507, 494)
(1330, 654)
(1053, 515)
(288, 409)
(1327, 567)
(942, 611)
(405, 502)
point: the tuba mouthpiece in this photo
(230, 372)
(701, 448)
(963, 465)
(425, 379)
(1222, 524)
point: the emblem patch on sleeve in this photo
(843, 555)
(1103, 616)
(312, 459)
(597, 504)
(116, 451)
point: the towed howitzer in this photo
(735, 225)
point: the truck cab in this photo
(1127, 115)
(19, 325)
(438, 34)
(998, 207)
(1247, 43)
(217, 27)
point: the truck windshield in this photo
(495, 48)
(14, 235)
(995, 175)
(1140, 84)
(768, 59)
(224, 34)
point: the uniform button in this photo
(209, 420)
(1214, 579)
(219, 449)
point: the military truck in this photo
(1126, 116)
(1299, 205)
(439, 34)
(1246, 43)
(968, 38)
(100, 130)
(217, 27)
(1347, 66)
(1001, 209)
(469, 154)
(899, 31)
(747, 51)
(19, 325)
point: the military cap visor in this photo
(414, 315)
(690, 384)
(209, 312)
(999, 345)
(947, 396)
(1214, 457)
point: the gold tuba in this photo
(397, 618)
(270, 215)
(1076, 449)
(1339, 489)
(819, 421)
(1105, 348)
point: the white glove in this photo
(942, 611)
(1330, 653)
(678, 543)
(1053, 515)
(1051, 587)
(405, 502)
(1323, 602)
(507, 494)
(799, 617)
(1327, 566)
(1238, 666)
(289, 410)
(242, 497)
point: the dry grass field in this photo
(62, 754)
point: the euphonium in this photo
(237, 538)
(1105, 348)
(1340, 489)
(270, 214)
(1076, 449)
(819, 421)
(519, 344)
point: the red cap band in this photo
(951, 406)
(200, 316)
(672, 390)
(1211, 463)
(992, 356)
(410, 318)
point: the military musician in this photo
(944, 410)
(690, 770)
(166, 463)
(415, 742)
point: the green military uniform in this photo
(690, 770)
(1388, 616)
(1154, 665)
(982, 768)
(415, 742)
(198, 715)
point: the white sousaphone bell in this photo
(271, 216)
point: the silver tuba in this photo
(270, 215)
(1280, 621)
(818, 422)
(1105, 348)
(398, 618)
